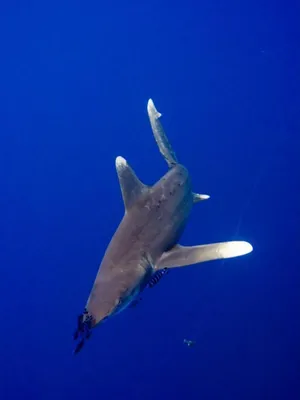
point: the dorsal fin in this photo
(131, 186)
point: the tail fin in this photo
(161, 139)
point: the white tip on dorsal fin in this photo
(131, 186)
(181, 256)
(161, 139)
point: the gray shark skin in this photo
(147, 238)
(150, 227)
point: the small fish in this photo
(84, 329)
(189, 343)
(156, 277)
(79, 346)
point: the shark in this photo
(146, 242)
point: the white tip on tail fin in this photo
(181, 256)
(152, 109)
(161, 139)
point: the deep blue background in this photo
(75, 78)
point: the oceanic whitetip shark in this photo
(145, 245)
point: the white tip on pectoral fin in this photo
(234, 249)
(181, 256)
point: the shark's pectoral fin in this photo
(180, 256)
(131, 186)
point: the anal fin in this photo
(180, 256)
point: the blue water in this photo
(75, 78)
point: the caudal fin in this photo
(161, 139)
